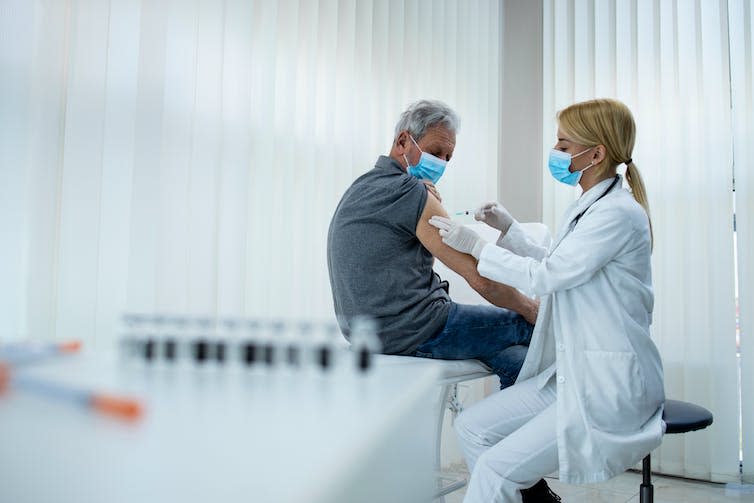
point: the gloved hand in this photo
(458, 237)
(494, 215)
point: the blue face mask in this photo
(560, 166)
(429, 167)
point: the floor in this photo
(625, 489)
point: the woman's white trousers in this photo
(510, 441)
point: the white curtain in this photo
(186, 156)
(668, 61)
(742, 83)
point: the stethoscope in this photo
(578, 217)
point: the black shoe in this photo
(539, 493)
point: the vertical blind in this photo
(668, 61)
(186, 156)
(741, 20)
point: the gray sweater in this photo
(378, 267)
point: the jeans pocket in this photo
(527, 330)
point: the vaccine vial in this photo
(291, 343)
(249, 353)
(201, 340)
(132, 332)
(322, 348)
(270, 334)
(364, 341)
(228, 343)
(154, 333)
(174, 342)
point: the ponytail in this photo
(635, 182)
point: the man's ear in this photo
(401, 141)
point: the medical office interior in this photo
(180, 161)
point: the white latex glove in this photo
(494, 215)
(458, 237)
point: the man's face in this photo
(438, 141)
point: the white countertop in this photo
(222, 434)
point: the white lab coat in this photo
(592, 331)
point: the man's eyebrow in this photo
(563, 139)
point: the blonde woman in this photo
(588, 401)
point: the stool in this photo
(679, 417)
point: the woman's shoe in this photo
(539, 493)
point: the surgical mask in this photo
(560, 163)
(429, 166)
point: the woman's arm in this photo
(597, 239)
(517, 241)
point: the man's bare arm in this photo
(465, 265)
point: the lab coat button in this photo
(561, 379)
(561, 347)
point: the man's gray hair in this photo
(424, 114)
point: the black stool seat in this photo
(681, 417)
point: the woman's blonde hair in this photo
(609, 123)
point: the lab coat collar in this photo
(583, 202)
(590, 196)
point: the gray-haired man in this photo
(381, 249)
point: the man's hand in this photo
(494, 215)
(431, 187)
(458, 237)
(530, 311)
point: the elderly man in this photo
(381, 249)
(380, 252)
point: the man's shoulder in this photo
(391, 200)
(386, 181)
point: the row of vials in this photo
(269, 344)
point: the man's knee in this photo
(507, 364)
(513, 356)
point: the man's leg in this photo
(495, 336)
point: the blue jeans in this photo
(495, 336)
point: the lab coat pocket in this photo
(613, 390)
